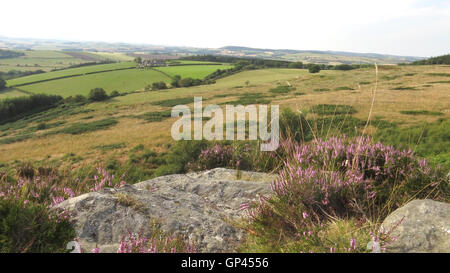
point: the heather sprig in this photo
(137, 243)
(51, 190)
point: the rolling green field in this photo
(79, 81)
(51, 59)
(194, 71)
(121, 80)
(69, 72)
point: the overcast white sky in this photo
(401, 27)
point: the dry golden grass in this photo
(133, 131)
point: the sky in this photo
(398, 27)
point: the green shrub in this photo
(297, 65)
(2, 84)
(404, 88)
(174, 102)
(159, 85)
(343, 88)
(113, 146)
(114, 93)
(249, 99)
(32, 228)
(155, 116)
(439, 74)
(80, 128)
(321, 89)
(281, 89)
(41, 126)
(180, 155)
(97, 94)
(333, 109)
(314, 68)
(421, 112)
(76, 99)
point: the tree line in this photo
(14, 108)
(241, 64)
(6, 54)
(444, 59)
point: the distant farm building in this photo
(149, 60)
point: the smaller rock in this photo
(419, 226)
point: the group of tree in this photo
(2, 84)
(177, 81)
(241, 64)
(444, 59)
(13, 108)
(159, 85)
(18, 107)
(98, 94)
(5, 54)
(315, 68)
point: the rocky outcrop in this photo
(421, 226)
(204, 206)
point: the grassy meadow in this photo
(198, 71)
(121, 80)
(69, 72)
(120, 76)
(48, 60)
(391, 106)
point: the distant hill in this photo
(444, 59)
(317, 56)
(305, 56)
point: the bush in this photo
(159, 85)
(282, 89)
(80, 128)
(314, 68)
(97, 94)
(333, 109)
(176, 81)
(76, 99)
(114, 93)
(2, 84)
(345, 67)
(41, 126)
(32, 228)
(180, 155)
(298, 65)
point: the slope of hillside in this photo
(316, 56)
